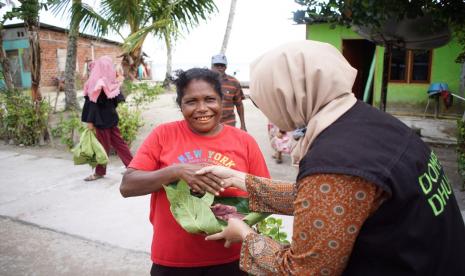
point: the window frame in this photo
(409, 68)
(406, 60)
(410, 72)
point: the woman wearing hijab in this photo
(102, 93)
(371, 198)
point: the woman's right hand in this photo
(90, 126)
(228, 176)
(197, 182)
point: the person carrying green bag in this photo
(102, 94)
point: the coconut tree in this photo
(166, 19)
(167, 35)
(79, 14)
(232, 12)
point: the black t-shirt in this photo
(102, 113)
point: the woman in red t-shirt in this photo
(176, 150)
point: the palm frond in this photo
(136, 39)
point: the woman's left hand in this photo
(236, 231)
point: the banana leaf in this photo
(194, 214)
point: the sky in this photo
(259, 25)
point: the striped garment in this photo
(232, 96)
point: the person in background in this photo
(280, 142)
(102, 93)
(232, 93)
(176, 150)
(119, 72)
(371, 197)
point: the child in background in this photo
(280, 142)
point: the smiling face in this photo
(201, 107)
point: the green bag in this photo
(194, 213)
(89, 150)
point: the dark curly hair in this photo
(183, 78)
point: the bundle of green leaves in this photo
(89, 150)
(195, 215)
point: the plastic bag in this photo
(89, 150)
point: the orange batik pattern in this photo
(328, 209)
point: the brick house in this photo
(53, 44)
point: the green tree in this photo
(78, 13)
(373, 14)
(165, 19)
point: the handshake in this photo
(219, 178)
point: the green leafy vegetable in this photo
(194, 213)
(89, 150)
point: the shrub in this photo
(138, 95)
(66, 129)
(129, 123)
(22, 121)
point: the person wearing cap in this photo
(232, 93)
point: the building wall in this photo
(87, 49)
(443, 68)
(21, 45)
(50, 43)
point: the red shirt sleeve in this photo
(147, 157)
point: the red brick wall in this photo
(51, 40)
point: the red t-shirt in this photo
(175, 143)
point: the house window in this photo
(411, 66)
(398, 65)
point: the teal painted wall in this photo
(443, 68)
(15, 44)
(19, 44)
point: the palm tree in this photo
(165, 19)
(232, 12)
(169, 57)
(144, 17)
(79, 13)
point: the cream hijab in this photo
(302, 84)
